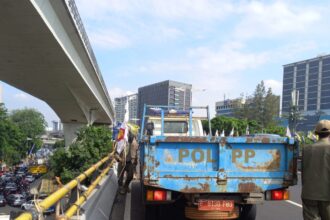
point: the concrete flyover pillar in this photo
(70, 132)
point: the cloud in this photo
(275, 85)
(116, 24)
(117, 92)
(212, 71)
(23, 97)
(109, 39)
(225, 47)
(271, 20)
(170, 9)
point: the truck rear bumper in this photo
(194, 213)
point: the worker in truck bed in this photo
(316, 175)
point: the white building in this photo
(126, 108)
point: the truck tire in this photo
(137, 207)
(248, 212)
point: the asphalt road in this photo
(283, 210)
(269, 210)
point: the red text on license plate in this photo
(218, 205)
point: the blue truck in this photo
(187, 175)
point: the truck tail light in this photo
(150, 195)
(279, 194)
(158, 195)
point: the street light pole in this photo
(294, 110)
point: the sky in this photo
(223, 48)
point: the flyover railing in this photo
(55, 198)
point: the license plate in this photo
(216, 205)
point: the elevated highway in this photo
(45, 52)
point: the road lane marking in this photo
(127, 214)
(294, 203)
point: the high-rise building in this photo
(168, 92)
(311, 81)
(126, 105)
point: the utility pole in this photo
(294, 110)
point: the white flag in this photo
(222, 133)
(216, 133)
(232, 132)
(288, 133)
(247, 131)
(297, 136)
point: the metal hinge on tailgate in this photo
(222, 177)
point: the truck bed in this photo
(215, 164)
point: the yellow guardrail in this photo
(60, 193)
(74, 208)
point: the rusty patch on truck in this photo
(249, 187)
(168, 176)
(203, 188)
(168, 157)
(186, 139)
(264, 140)
(223, 142)
(273, 164)
(186, 177)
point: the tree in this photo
(272, 108)
(31, 122)
(59, 144)
(32, 125)
(92, 144)
(221, 123)
(10, 139)
(263, 107)
(243, 110)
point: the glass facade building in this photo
(168, 92)
(311, 78)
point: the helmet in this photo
(322, 126)
(134, 129)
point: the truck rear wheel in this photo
(137, 207)
(248, 212)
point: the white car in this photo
(30, 204)
(29, 178)
(27, 205)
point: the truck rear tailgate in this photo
(211, 165)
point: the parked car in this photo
(2, 200)
(27, 205)
(29, 178)
(15, 200)
(20, 173)
(11, 187)
(7, 177)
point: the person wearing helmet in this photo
(316, 175)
